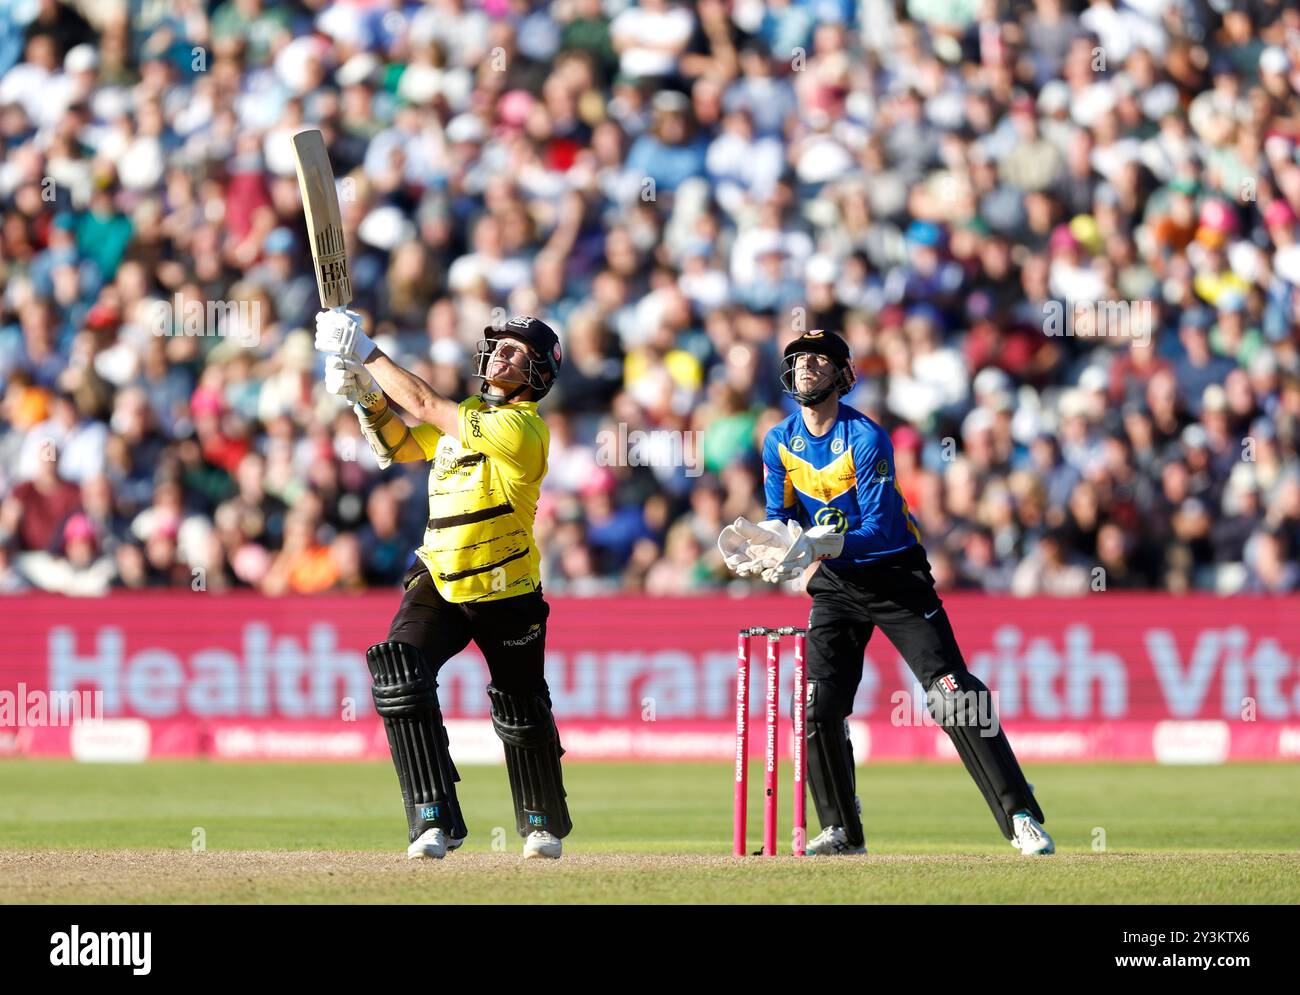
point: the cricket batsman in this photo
(832, 497)
(476, 576)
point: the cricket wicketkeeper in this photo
(476, 576)
(832, 497)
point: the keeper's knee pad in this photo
(963, 705)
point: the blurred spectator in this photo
(669, 153)
(37, 509)
(304, 565)
(76, 568)
(649, 38)
(1050, 570)
(1272, 569)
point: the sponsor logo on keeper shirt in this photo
(833, 517)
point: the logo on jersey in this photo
(833, 517)
(837, 446)
(444, 462)
(798, 444)
(534, 631)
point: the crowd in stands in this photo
(1060, 237)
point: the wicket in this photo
(770, 750)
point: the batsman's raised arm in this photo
(390, 438)
(414, 395)
(339, 333)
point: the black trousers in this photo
(511, 632)
(898, 596)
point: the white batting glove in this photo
(339, 333)
(347, 379)
(820, 542)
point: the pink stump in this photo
(742, 744)
(769, 752)
(800, 758)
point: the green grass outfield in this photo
(643, 833)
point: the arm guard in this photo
(373, 427)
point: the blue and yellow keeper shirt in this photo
(483, 490)
(844, 478)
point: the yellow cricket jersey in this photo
(483, 492)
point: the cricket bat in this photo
(320, 203)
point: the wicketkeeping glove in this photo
(749, 549)
(339, 333)
(820, 542)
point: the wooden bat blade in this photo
(320, 204)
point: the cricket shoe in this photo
(1029, 837)
(832, 841)
(541, 844)
(433, 844)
